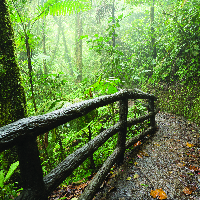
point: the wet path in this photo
(169, 160)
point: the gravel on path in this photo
(170, 160)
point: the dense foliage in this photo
(123, 45)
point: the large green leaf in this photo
(13, 167)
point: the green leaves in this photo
(11, 170)
(105, 86)
(2, 178)
(54, 7)
(83, 36)
(120, 16)
(178, 58)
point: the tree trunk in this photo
(12, 96)
(113, 16)
(13, 107)
(66, 53)
(30, 69)
(44, 45)
(57, 40)
(153, 45)
(78, 52)
(113, 39)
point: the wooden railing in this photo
(23, 133)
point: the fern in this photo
(11, 170)
(55, 7)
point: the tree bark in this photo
(13, 107)
(12, 96)
(30, 69)
(153, 45)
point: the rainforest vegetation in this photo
(70, 51)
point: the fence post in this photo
(151, 109)
(31, 171)
(123, 111)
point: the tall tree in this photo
(113, 38)
(153, 45)
(26, 27)
(67, 56)
(12, 97)
(44, 46)
(78, 52)
(13, 107)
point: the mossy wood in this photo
(27, 129)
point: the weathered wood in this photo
(31, 171)
(17, 131)
(123, 111)
(96, 182)
(151, 109)
(23, 133)
(92, 164)
(66, 167)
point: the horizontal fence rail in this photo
(23, 133)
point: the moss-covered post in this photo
(151, 109)
(13, 107)
(31, 171)
(123, 111)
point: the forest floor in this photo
(165, 166)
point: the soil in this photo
(170, 159)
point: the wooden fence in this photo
(23, 133)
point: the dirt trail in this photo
(170, 160)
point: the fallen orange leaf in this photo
(162, 195)
(189, 145)
(187, 191)
(154, 194)
(194, 169)
(158, 193)
(137, 143)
